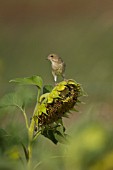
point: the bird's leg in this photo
(55, 79)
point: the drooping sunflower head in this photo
(56, 104)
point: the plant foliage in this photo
(52, 104)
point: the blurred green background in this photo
(79, 31)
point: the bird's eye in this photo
(51, 56)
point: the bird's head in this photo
(54, 58)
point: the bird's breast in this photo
(57, 68)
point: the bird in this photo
(58, 66)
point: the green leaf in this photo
(26, 94)
(60, 87)
(34, 80)
(63, 83)
(49, 133)
(71, 81)
(3, 140)
(47, 89)
(10, 99)
(43, 98)
(82, 92)
(55, 132)
(54, 94)
(73, 109)
(7, 140)
(42, 109)
(60, 135)
(21, 98)
(50, 99)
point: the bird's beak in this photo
(47, 58)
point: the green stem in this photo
(36, 135)
(30, 155)
(38, 96)
(31, 132)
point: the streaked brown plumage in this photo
(58, 66)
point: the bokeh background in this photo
(81, 32)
